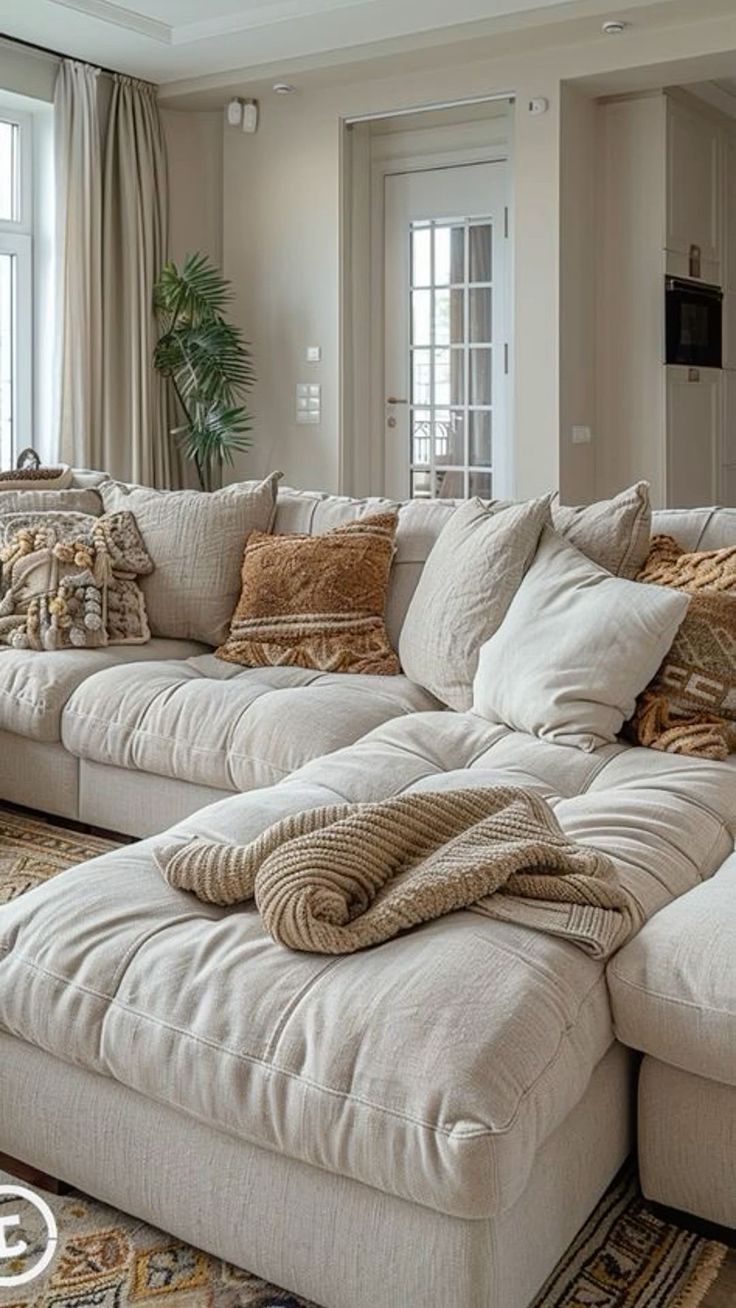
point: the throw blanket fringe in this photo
(337, 879)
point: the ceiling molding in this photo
(261, 16)
(107, 12)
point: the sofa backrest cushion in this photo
(471, 577)
(73, 500)
(196, 541)
(697, 529)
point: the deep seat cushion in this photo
(431, 1067)
(224, 726)
(673, 988)
(36, 684)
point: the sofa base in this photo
(39, 774)
(320, 1235)
(137, 803)
(687, 1142)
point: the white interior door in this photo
(446, 333)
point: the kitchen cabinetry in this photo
(694, 404)
(693, 191)
(667, 183)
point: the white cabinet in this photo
(694, 151)
(693, 442)
(727, 488)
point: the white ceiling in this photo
(178, 40)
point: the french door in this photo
(446, 333)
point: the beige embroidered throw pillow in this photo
(466, 586)
(690, 705)
(575, 649)
(68, 581)
(316, 601)
(196, 541)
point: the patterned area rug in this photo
(625, 1256)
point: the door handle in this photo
(393, 400)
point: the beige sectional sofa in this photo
(430, 1121)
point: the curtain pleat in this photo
(135, 439)
(78, 261)
(112, 206)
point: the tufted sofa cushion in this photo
(432, 1067)
(673, 988)
(225, 726)
(35, 685)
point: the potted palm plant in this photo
(207, 362)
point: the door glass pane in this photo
(8, 167)
(480, 316)
(457, 262)
(480, 253)
(421, 438)
(449, 377)
(480, 484)
(421, 377)
(449, 439)
(421, 317)
(442, 236)
(480, 376)
(7, 316)
(480, 438)
(450, 484)
(450, 430)
(421, 247)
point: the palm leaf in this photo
(207, 361)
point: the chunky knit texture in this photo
(690, 706)
(337, 879)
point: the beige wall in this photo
(282, 192)
(282, 241)
(579, 149)
(194, 148)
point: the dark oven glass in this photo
(694, 314)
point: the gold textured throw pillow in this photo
(690, 706)
(316, 601)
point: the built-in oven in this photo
(694, 323)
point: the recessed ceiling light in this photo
(614, 27)
(284, 88)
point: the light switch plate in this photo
(581, 435)
(314, 354)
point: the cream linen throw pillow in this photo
(575, 649)
(466, 586)
(196, 540)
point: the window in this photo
(16, 285)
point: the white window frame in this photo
(16, 238)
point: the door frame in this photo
(364, 170)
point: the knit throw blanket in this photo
(337, 879)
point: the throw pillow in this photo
(466, 586)
(316, 601)
(614, 533)
(575, 649)
(690, 706)
(68, 581)
(196, 541)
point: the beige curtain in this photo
(135, 437)
(78, 166)
(112, 220)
